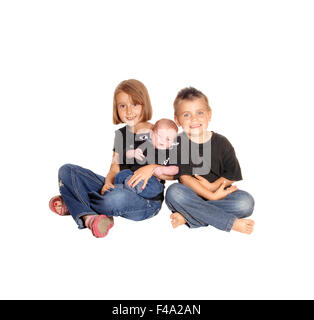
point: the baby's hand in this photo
(158, 171)
(166, 170)
(137, 154)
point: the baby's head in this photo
(164, 133)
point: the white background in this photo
(60, 62)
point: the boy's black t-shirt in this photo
(213, 159)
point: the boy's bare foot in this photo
(177, 219)
(243, 225)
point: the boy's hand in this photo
(106, 187)
(222, 192)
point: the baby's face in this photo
(163, 138)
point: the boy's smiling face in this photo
(193, 116)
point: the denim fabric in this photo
(80, 189)
(198, 212)
(152, 189)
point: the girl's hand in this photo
(143, 173)
(222, 192)
(106, 187)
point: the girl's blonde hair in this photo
(139, 94)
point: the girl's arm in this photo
(143, 173)
(114, 169)
(202, 191)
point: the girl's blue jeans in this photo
(80, 189)
(198, 212)
(152, 189)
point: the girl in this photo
(80, 186)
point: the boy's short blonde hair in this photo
(189, 93)
(139, 94)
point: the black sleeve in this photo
(231, 166)
(181, 158)
(184, 169)
(120, 149)
(118, 145)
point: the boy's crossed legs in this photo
(226, 214)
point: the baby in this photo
(156, 149)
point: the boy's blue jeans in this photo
(198, 212)
(153, 187)
(80, 189)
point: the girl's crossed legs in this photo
(80, 189)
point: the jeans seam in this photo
(230, 223)
(132, 210)
(76, 190)
(91, 177)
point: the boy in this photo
(207, 168)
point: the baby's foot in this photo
(243, 225)
(177, 219)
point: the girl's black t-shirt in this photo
(126, 140)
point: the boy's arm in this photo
(213, 186)
(166, 177)
(197, 187)
(219, 181)
(202, 191)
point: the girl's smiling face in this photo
(128, 112)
